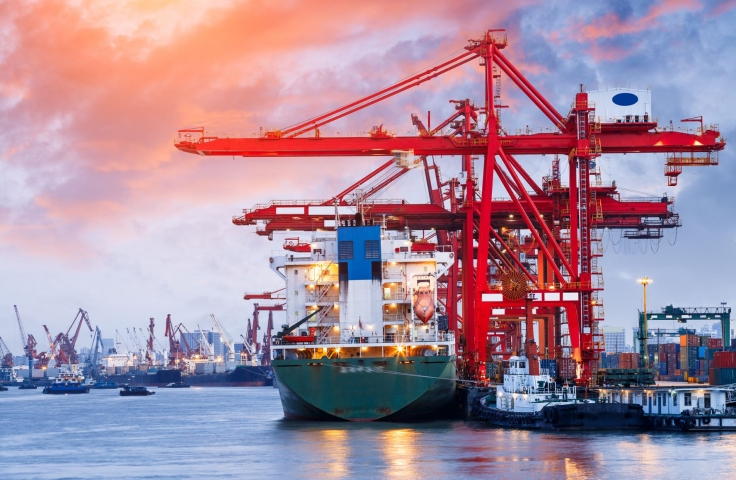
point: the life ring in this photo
(706, 421)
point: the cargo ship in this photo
(241, 376)
(66, 383)
(363, 339)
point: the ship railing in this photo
(393, 275)
(369, 338)
(314, 297)
(396, 295)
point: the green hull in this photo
(367, 389)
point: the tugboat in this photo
(67, 382)
(27, 386)
(3, 388)
(175, 385)
(135, 391)
(532, 400)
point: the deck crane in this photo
(563, 243)
(28, 342)
(225, 339)
(5, 356)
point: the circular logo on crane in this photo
(625, 99)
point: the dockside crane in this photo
(205, 347)
(225, 339)
(556, 226)
(28, 342)
(5, 355)
(68, 344)
(176, 352)
(150, 352)
(93, 367)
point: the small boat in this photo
(27, 386)
(67, 382)
(105, 386)
(3, 388)
(135, 391)
(175, 385)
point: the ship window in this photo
(522, 364)
(706, 400)
(345, 249)
(674, 400)
(688, 400)
(643, 399)
(372, 249)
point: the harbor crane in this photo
(28, 342)
(150, 352)
(225, 339)
(67, 345)
(541, 261)
(205, 347)
(176, 352)
(93, 367)
(5, 356)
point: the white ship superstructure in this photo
(364, 281)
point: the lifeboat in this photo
(296, 245)
(423, 301)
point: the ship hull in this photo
(52, 390)
(573, 416)
(242, 376)
(367, 389)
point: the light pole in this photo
(643, 329)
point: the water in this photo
(208, 433)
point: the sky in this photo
(99, 211)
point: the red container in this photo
(711, 376)
(566, 368)
(724, 359)
(715, 343)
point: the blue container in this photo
(550, 365)
(701, 352)
(663, 368)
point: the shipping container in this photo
(566, 368)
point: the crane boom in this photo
(23, 337)
(204, 342)
(5, 355)
(225, 339)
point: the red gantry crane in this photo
(533, 256)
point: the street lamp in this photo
(643, 329)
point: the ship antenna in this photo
(337, 213)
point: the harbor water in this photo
(202, 433)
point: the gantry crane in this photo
(67, 345)
(549, 272)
